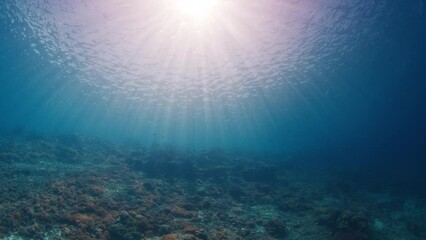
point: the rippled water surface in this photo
(259, 75)
(213, 119)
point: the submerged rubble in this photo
(71, 187)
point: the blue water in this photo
(339, 81)
(311, 76)
(318, 77)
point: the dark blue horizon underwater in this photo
(335, 83)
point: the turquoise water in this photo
(272, 76)
(336, 82)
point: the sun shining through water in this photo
(201, 65)
(212, 119)
(197, 10)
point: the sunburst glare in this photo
(197, 10)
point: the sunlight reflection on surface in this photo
(157, 72)
(197, 10)
(132, 48)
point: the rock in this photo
(236, 193)
(191, 229)
(327, 217)
(347, 225)
(216, 173)
(171, 236)
(163, 167)
(149, 186)
(276, 228)
(262, 174)
(8, 157)
(349, 221)
(180, 212)
(350, 235)
(68, 155)
(122, 232)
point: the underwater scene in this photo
(213, 119)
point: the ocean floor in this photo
(72, 187)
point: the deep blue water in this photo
(334, 79)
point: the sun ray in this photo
(197, 10)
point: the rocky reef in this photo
(73, 187)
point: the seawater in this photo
(256, 115)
